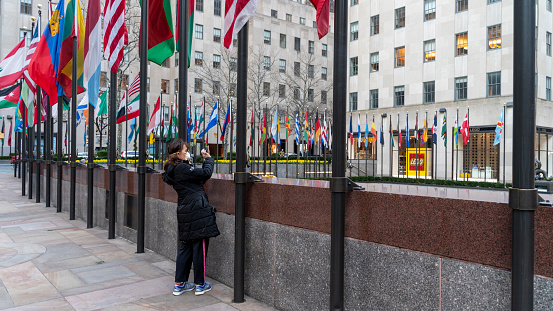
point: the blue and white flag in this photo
(133, 125)
(212, 121)
(83, 105)
(274, 128)
(407, 134)
(297, 128)
(498, 130)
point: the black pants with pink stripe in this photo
(191, 252)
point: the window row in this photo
(493, 85)
(216, 6)
(267, 39)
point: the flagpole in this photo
(38, 129)
(23, 144)
(230, 138)
(59, 152)
(457, 147)
(445, 145)
(398, 144)
(161, 129)
(126, 129)
(217, 137)
(504, 137)
(381, 147)
(74, 124)
(425, 166)
(112, 156)
(206, 146)
(183, 68)
(468, 147)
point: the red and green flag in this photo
(161, 42)
(288, 128)
(65, 71)
(10, 96)
(190, 27)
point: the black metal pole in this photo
(445, 145)
(183, 68)
(230, 137)
(23, 148)
(38, 144)
(16, 152)
(523, 195)
(112, 139)
(338, 182)
(59, 151)
(73, 134)
(142, 122)
(504, 138)
(30, 152)
(90, 167)
(240, 177)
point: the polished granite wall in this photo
(403, 252)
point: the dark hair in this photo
(172, 149)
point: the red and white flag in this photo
(10, 136)
(323, 16)
(11, 67)
(465, 129)
(237, 14)
(115, 32)
(155, 117)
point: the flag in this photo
(263, 127)
(170, 130)
(391, 134)
(31, 92)
(115, 33)
(102, 105)
(25, 91)
(456, 131)
(398, 133)
(161, 42)
(132, 104)
(298, 128)
(417, 128)
(133, 125)
(10, 96)
(306, 133)
(350, 129)
(274, 128)
(237, 13)
(11, 67)
(3, 130)
(65, 73)
(330, 136)
(407, 134)
(498, 130)
(288, 129)
(358, 133)
(366, 132)
(190, 26)
(212, 121)
(83, 105)
(174, 118)
(425, 132)
(324, 131)
(465, 129)
(92, 51)
(444, 131)
(200, 119)
(43, 67)
(435, 130)
(252, 128)
(10, 135)
(381, 133)
(227, 120)
(155, 117)
(317, 129)
(373, 129)
(323, 16)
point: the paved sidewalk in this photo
(50, 263)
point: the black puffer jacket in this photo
(195, 216)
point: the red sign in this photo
(416, 162)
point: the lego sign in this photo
(417, 160)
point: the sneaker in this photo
(180, 289)
(201, 289)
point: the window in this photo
(324, 50)
(282, 66)
(200, 5)
(374, 61)
(310, 95)
(217, 8)
(494, 37)
(288, 17)
(494, 84)
(399, 56)
(461, 88)
(26, 7)
(354, 2)
(353, 66)
(164, 86)
(400, 17)
(323, 97)
(548, 43)
(493, 1)
(267, 37)
(176, 88)
(375, 25)
(399, 95)
(126, 56)
(274, 13)
(28, 36)
(216, 35)
(124, 82)
(429, 90)
(354, 31)
(297, 43)
(315, 24)
(199, 34)
(216, 61)
(429, 9)
(266, 62)
(198, 58)
(373, 99)
(461, 5)
(176, 59)
(216, 87)
(302, 20)
(282, 90)
(197, 85)
(148, 84)
(103, 79)
(548, 5)
(323, 73)
(311, 71)
(234, 42)
(165, 63)
(296, 93)
(266, 89)
(311, 47)
(462, 43)
(296, 69)
(353, 101)
(282, 40)
(548, 88)
(233, 63)
(430, 50)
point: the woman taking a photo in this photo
(196, 218)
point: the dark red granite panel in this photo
(544, 241)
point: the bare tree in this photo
(263, 81)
